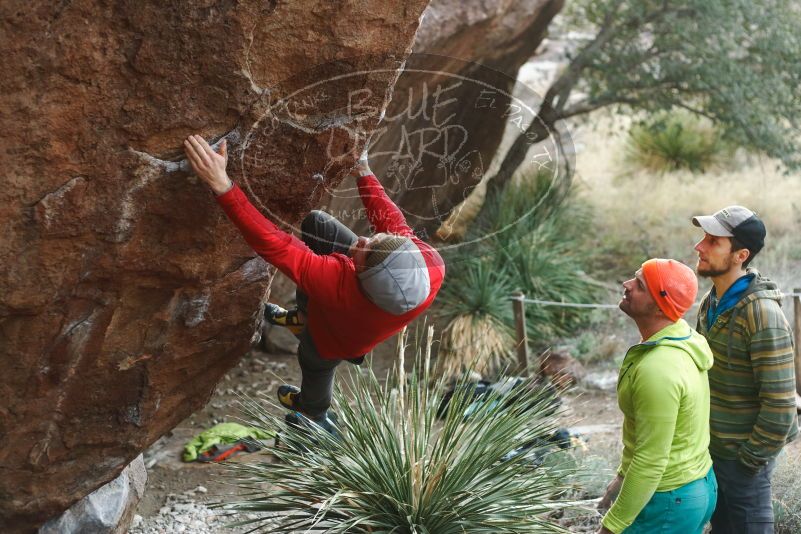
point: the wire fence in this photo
(598, 305)
(519, 301)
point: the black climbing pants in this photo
(323, 234)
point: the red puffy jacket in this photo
(342, 321)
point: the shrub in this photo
(674, 142)
(592, 474)
(475, 305)
(522, 241)
(548, 264)
(396, 468)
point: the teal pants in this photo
(685, 510)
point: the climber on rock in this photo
(352, 292)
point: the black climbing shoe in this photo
(327, 423)
(288, 397)
(298, 419)
(290, 319)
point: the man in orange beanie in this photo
(665, 481)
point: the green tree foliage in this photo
(734, 62)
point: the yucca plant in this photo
(548, 265)
(674, 142)
(476, 309)
(519, 208)
(396, 468)
(516, 244)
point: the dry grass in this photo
(786, 491)
(642, 214)
(477, 343)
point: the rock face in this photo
(451, 106)
(107, 510)
(125, 294)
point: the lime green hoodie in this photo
(663, 392)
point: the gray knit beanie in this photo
(395, 277)
(383, 247)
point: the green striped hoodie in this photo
(752, 382)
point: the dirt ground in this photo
(167, 473)
(257, 372)
(178, 493)
(590, 412)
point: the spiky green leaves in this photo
(396, 468)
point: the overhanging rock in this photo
(451, 106)
(125, 294)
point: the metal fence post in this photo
(521, 340)
(797, 336)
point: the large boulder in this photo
(125, 294)
(107, 510)
(451, 106)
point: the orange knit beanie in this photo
(672, 284)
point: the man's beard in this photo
(713, 271)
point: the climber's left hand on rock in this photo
(208, 164)
(362, 167)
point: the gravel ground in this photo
(178, 495)
(183, 513)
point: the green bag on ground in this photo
(222, 433)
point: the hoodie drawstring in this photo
(730, 338)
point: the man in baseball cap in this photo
(735, 222)
(665, 481)
(752, 382)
